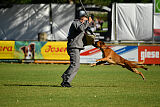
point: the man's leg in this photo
(72, 70)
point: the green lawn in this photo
(38, 85)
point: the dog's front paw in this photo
(98, 60)
(92, 65)
(144, 79)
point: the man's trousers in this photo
(72, 70)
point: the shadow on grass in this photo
(28, 85)
(101, 86)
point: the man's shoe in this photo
(65, 84)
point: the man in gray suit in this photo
(74, 46)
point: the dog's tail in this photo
(141, 62)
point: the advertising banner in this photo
(16, 51)
(90, 53)
(55, 51)
(41, 50)
(28, 49)
(7, 49)
(150, 54)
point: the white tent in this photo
(132, 21)
(62, 15)
(24, 22)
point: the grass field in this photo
(38, 85)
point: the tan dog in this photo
(113, 58)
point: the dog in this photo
(28, 51)
(113, 58)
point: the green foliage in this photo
(38, 85)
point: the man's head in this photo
(83, 19)
(82, 16)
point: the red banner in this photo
(151, 54)
(156, 32)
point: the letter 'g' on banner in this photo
(7, 49)
(55, 51)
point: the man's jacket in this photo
(76, 34)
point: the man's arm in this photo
(83, 26)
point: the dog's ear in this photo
(102, 43)
(32, 46)
(23, 49)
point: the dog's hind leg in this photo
(140, 66)
(137, 72)
(135, 62)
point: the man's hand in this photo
(90, 19)
(83, 19)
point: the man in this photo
(74, 46)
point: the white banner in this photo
(133, 21)
(24, 22)
(157, 27)
(157, 21)
(90, 53)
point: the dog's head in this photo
(99, 44)
(28, 51)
